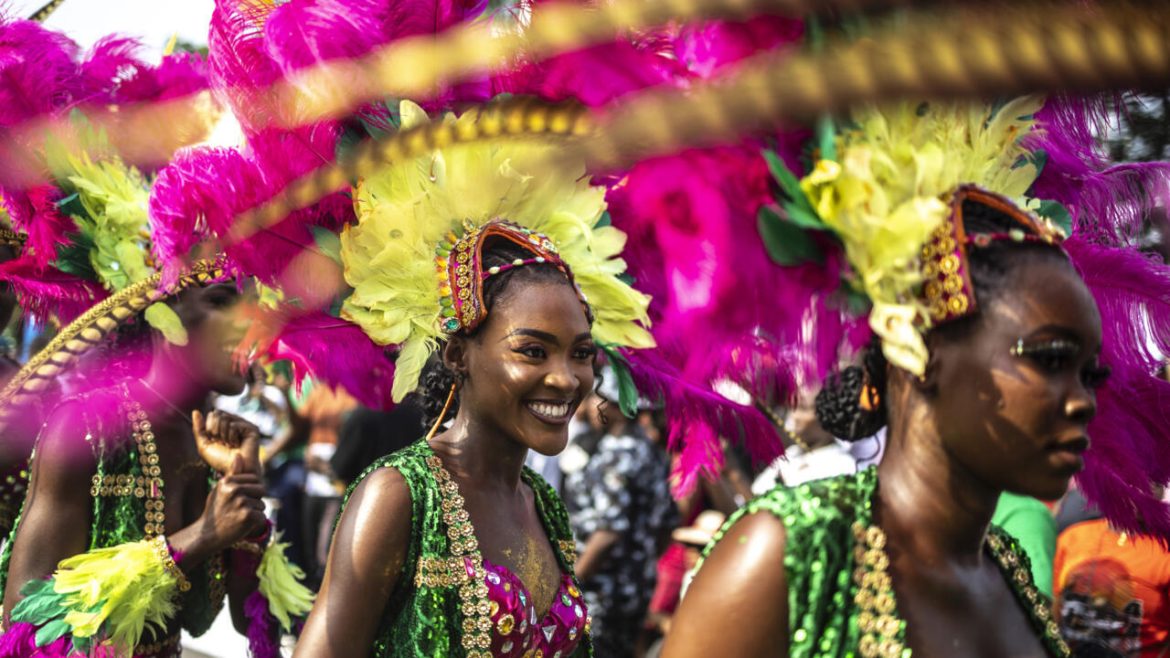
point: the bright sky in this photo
(151, 21)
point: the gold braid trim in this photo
(514, 117)
(966, 54)
(414, 67)
(12, 238)
(1011, 51)
(91, 329)
(46, 10)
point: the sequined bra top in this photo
(517, 629)
(450, 601)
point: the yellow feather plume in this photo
(884, 195)
(280, 584)
(407, 208)
(126, 587)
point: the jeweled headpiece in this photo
(889, 188)
(459, 264)
(946, 279)
(434, 214)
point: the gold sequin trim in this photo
(466, 557)
(880, 628)
(569, 550)
(440, 572)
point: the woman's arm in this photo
(57, 514)
(365, 562)
(742, 587)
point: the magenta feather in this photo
(699, 417)
(38, 71)
(198, 196)
(20, 641)
(595, 76)
(34, 211)
(706, 48)
(262, 630)
(305, 32)
(48, 291)
(1108, 203)
(337, 353)
(1131, 447)
(239, 66)
(1129, 453)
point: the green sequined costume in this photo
(120, 517)
(838, 605)
(423, 621)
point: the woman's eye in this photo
(1095, 376)
(1050, 360)
(585, 353)
(531, 351)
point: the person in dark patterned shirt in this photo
(621, 513)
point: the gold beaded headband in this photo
(946, 271)
(459, 264)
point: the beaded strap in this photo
(884, 632)
(163, 549)
(465, 554)
(149, 485)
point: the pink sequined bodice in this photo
(516, 631)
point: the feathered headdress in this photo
(883, 187)
(889, 188)
(413, 257)
(82, 208)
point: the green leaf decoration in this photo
(328, 242)
(52, 631)
(1039, 159)
(604, 220)
(827, 138)
(1057, 213)
(787, 242)
(163, 318)
(627, 391)
(800, 211)
(40, 603)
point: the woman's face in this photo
(215, 326)
(530, 365)
(1015, 395)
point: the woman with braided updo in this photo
(502, 275)
(984, 372)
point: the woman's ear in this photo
(455, 356)
(927, 382)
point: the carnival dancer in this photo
(986, 374)
(503, 267)
(137, 506)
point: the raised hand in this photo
(235, 509)
(221, 437)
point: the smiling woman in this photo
(451, 546)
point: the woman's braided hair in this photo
(839, 405)
(437, 380)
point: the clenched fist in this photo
(224, 437)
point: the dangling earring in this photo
(870, 399)
(443, 413)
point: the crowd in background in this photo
(637, 543)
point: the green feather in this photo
(51, 631)
(787, 242)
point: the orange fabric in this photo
(324, 409)
(1112, 591)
